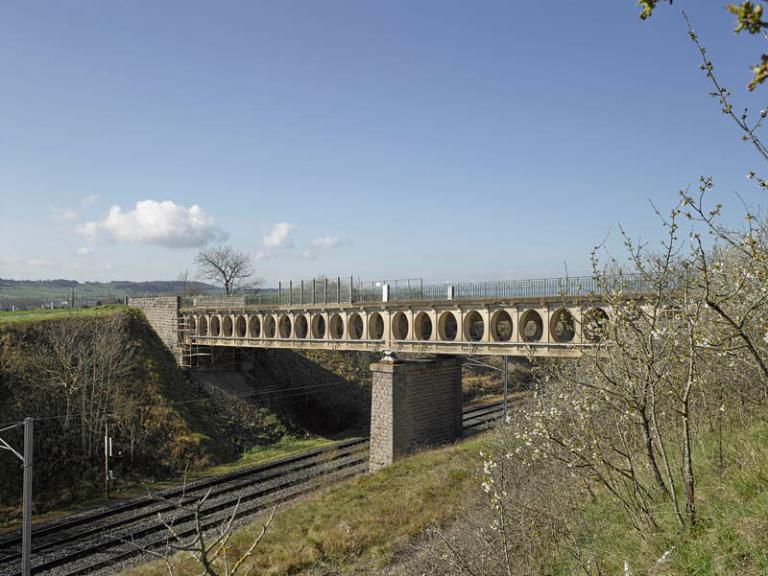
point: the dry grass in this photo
(357, 526)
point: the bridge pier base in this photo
(413, 403)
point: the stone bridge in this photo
(414, 402)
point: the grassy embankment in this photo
(731, 532)
(358, 526)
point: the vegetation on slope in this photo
(75, 372)
(73, 375)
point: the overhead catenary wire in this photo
(302, 391)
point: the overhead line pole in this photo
(26, 460)
(506, 385)
(26, 537)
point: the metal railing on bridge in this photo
(341, 290)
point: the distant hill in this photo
(34, 293)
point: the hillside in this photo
(33, 293)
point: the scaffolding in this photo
(190, 353)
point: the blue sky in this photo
(449, 140)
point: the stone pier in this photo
(414, 403)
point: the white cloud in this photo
(320, 245)
(159, 223)
(325, 243)
(83, 251)
(261, 255)
(278, 236)
(38, 263)
(65, 215)
(90, 199)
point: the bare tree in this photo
(187, 287)
(225, 266)
(208, 543)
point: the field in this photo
(48, 314)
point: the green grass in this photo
(47, 314)
(359, 525)
(286, 446)
(731, 533)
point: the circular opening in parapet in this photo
(422, 326)
(203, 330)
(400, 326)
(284, 326)
(501, 326)
(301, 327)
(355, 326)
(531, 326)
(269, 326)
(562, 326)
(227, 324)
(474, 327)
(254, 326)
(318, 326)
(375, 326)
(191, 325)
(447, 326)
(241, 326)
(595, 324)
(336, 325)
(215, 326)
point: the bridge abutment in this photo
(413, 403)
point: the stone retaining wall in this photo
(162, 313)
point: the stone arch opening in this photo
(254, 327)
(447, 326)
(562, 326)
(284, 326)
(400, 326)
(318, 326)
(215, 326)
(501, 326)
(422, 326)
(356, 329)
(595, 324)
(269, 326)
(336, 326)
(474, 327)
(375, 326)
(227, 326)
(203, 326)
(191, 325)
(241, 327)
(301, 327)
(531, 326)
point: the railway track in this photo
(93, 541)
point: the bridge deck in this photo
(561, 326)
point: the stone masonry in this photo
(162, 313)
(414, 403)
